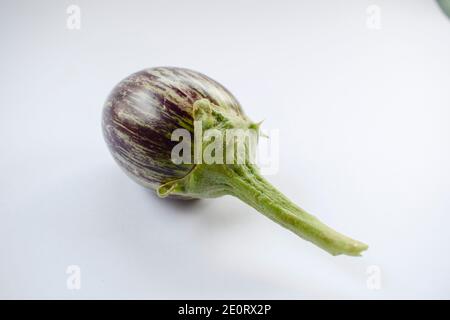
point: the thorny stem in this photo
(246, 184)
(257, 192)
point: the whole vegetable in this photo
(139, 119)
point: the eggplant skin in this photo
(144, 109)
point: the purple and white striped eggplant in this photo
(144, 110)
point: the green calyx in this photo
(243, 181)
(205, 178)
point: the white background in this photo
(363, 117)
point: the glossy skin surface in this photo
(144, 109)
